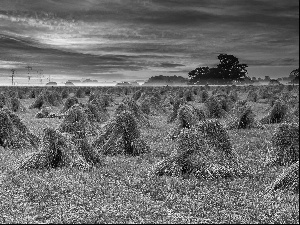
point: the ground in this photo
(121, 191)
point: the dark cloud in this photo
(162, 12)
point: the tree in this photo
(295, 72)
(199, 74)
(227, 71)
(295, 75)
(231, 69)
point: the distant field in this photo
(121, 190)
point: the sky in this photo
(119, 40)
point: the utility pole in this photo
(28, 79)
(12, 76)
(28, 68)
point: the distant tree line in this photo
(167, 80)
(229, 70)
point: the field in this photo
(122, 189)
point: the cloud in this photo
(273, 62)
(36, 54)
(107, 76)
(11, 65)
(170, 65)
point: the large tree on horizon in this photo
(295, 75)
(228, 70)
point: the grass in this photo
(121, 191)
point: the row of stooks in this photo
(238, 116)
(203, 145)
(261, 92)
(55, 94)
(218, 105)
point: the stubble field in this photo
(122, 189)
